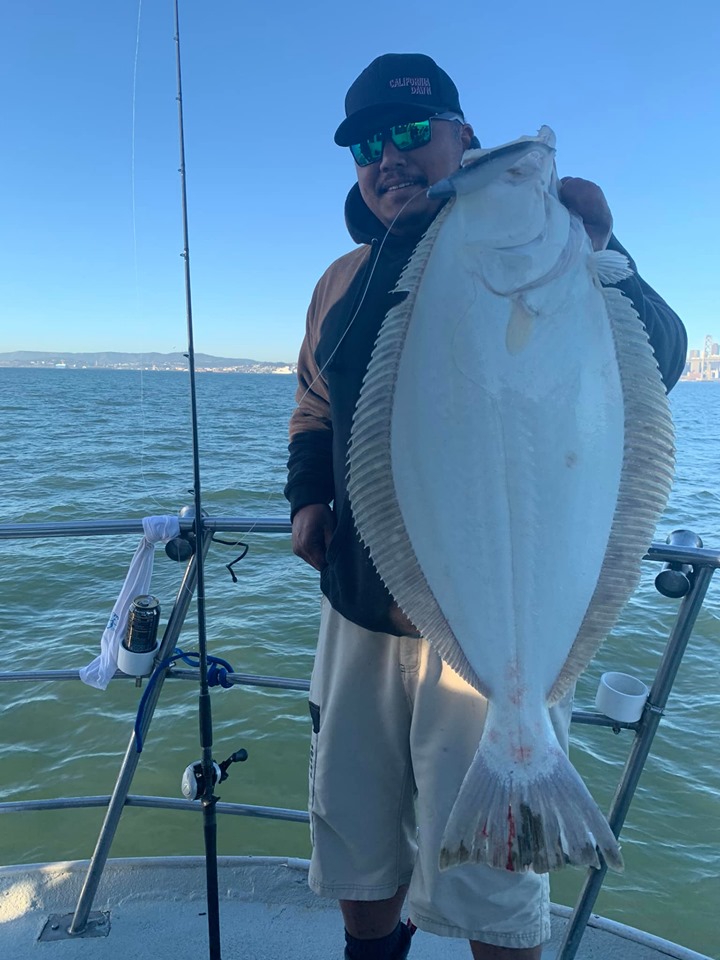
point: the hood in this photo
(363, 226)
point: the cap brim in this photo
(366, 122)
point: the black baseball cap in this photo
(396, 87)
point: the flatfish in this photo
(511, 454)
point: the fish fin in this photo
(472, 156)
(520, 823)
(609, 266)
(547, 135)
(411, 275)
(645, 482)
(370, 483)
(520, 325)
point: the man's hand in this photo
(587, 200)
(312, 528)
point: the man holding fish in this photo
(395, 725)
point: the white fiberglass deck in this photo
(157, 910)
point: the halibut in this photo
(511, 454)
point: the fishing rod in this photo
(208, 799)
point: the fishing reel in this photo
(676, 579)
(183, 547)
(193, 779)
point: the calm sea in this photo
(114, 444)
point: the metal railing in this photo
(695, 564)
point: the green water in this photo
(108, 444)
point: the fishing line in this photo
(143, 422)
(148, 489)
(132, 145)
(362, 299)
(273, 494)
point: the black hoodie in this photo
(333, 360)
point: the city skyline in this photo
(703, 363)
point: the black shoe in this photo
(406, 933)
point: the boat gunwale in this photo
(52, 872)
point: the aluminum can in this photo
(142, 626)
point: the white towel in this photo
(100, 672)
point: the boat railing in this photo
(690, 569)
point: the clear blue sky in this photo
(631, 89)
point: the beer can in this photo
(142, 626)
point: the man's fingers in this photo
(306, 546)
(312, 553)
(587, 200)
(312, 531)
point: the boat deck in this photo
(156, 908)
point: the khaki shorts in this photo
(394, 731)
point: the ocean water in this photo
(89, 444)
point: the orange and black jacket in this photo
(332, 363)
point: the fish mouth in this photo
(396, 185)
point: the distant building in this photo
(703, 364)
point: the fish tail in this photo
(520, 820)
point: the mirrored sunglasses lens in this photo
(408, 136)
(367, 151)
(405, 136)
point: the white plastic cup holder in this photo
(136, 664)
(621, 697)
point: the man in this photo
(394, 729)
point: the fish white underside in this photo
(519, 455)
(510, 456)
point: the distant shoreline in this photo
(68, 366)
(151, 361)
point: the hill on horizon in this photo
(112, 358)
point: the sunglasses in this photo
(404, 137)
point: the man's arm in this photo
(664, 328)
(310, 486)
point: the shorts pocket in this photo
(315, 716)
